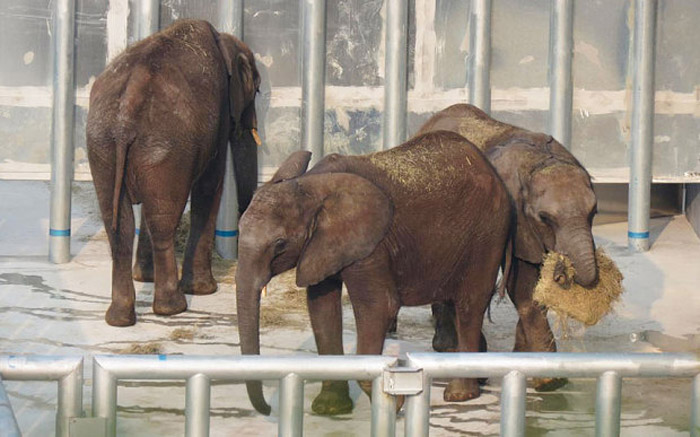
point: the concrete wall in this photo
(692, 206)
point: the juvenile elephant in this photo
(554, 203)
(426, 221)
(159, 120)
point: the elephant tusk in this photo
(256, 137)
(264, 291)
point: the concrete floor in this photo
(59, 309)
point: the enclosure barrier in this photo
(395, 73)
(480, 55)
(67, 371)
(561, 84)
(515, 367)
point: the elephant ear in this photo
(241, 75)
(294, 166)
(352, 219)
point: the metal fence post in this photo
(291, 406)
(8, 421)
(62, 130)
(148, 17)
(104, 396)
(231, 21)
(313, 77)
(395, 73)
(513, 404)
(642, 125)
(561, 46)
(480, 55)
(197, 406)
(695, 408)
(418, 410)
(607, 405)
(383, 410)
(70, 399)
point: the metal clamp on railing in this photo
(403, 381)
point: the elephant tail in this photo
(506, 266)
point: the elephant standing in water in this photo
(554, 204)
(423, 222)
(160, 117)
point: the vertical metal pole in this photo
(561, 49)
(8, 421)
(231, 21)
(642, 125)
(197, 406)
(62, 131)
(513, 404)
(695, 408)
(480, 55)
(291, 406)
(607, 405)
(149, 17)
(70, 400)
(314, 77)
(395, 73)
(104, 397)
(383, 410)
(418, 411)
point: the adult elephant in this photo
(423, 222)
(555, 204)
(160, 117)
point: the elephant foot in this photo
(334, 399)
(118, 315)
(462, 389)
(143, 273)
(548, 384)
(175, 304)
(444, 342)
(200, 288)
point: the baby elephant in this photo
(426, 221)
(160, 117)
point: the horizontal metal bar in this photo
(8, 422)
(486, 365)
(327, 367)
(38, 368)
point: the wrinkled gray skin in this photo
(426, 221)
(160, 117)
(555, 204)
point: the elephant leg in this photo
(325, 312)
(445, 338)
(533, 333)
(197, 277)
(143, 267)
(245, 165)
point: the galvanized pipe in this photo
(148, 17)
(695, 408)
(197, 406)
(642, 125)
(395, 73)
(561, 87)
(63, 113)
(70, 399)
(608, 404)
(291, 420)
(8, 421)
(418, 410)
(313, 77)
(480, 55)
(513, 404)
(383, 410)
(230, 21)
(104, 396)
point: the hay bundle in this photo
(587, 305)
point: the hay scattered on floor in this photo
(285, 303)
(182, 334)
(587, 305)
(143, 349)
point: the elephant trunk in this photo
(248, 307)
(576, 241)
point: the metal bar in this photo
(62, 130)
(104, 396)
(383, 410)
(695, 408)
(313, 80)
(197, 403)
(231, 21)
(70, 399)
(291, 421)
(418, 409)
(607, 405)
(480, 55)
(395, 73)
(513, 404)
(560, 364)
(642, 125)
(8, 421)
(561, 87)
(148, 18)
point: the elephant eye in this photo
(280, 246)
(546, 218)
